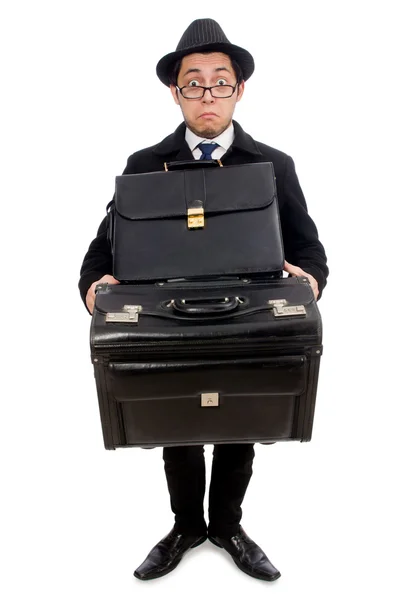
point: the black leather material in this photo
(151, 375)
(247, 555)
(167, 554)
(152, 330)
(205, 307)
(151, 240)
(181, 165)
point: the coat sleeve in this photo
(98, 259)
(97, 262)
(302, 246)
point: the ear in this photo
(175, 94)
(241, 87)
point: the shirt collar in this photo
(176, 143)
(224, 140)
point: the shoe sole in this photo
(244, 569)
(174, 565)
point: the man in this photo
(207, 75)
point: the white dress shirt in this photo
(224, 140)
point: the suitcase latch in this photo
(210, 399)
(281, 308)
(130, 314)
(195, 218)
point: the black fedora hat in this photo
(204, 34)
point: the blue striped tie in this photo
(207, 150)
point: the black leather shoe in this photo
(167, 555)
(248, 556)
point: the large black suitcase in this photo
(183, 363)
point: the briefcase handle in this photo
(206, 306)
(179, 165)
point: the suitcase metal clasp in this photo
(130, 314)
(211, 399)
(282, 309)
(195, 218)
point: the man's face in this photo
(207, 117)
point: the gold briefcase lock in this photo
(195, 218)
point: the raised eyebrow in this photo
(223, 69)
(192, 70)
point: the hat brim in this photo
(241, 56)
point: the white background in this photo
(80, 95)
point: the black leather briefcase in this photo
(193, 363)
(196, 222)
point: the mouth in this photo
(208, 114)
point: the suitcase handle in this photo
(179, 165)
(205, 306)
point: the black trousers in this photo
(230, 476)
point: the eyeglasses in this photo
(198, 91)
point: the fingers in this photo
(107, 279)
(297, 271)
(90, 297)
(313, 284)
(90, 300)
(293, 269)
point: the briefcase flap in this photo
(160, 195)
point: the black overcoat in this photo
(301, 244)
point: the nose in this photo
(207, 96)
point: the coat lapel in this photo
(184, 153)
(174, 146)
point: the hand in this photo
(90, 297)
(301, 273)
